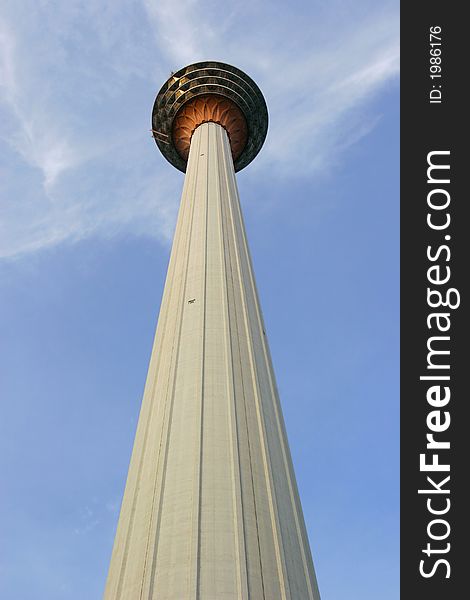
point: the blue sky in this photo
(87, 211)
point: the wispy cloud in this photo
(78, 80)
(31, 132)
(88, 521)
(317, 68)
(77, 153)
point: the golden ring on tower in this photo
(209, 92)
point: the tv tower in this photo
(211, 509)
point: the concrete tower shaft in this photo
(211, 509)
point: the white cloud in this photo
(88, 521)
(31, 135)
(78, 156)
(76, 95)
(316, 69)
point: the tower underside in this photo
(211, 509)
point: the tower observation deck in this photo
(211, 509)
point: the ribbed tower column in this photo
(211, 509)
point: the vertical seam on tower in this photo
(168, 435)
(235, 253)
(157, 464)
(201, 437)
(233, 425)
(144, 447)
(260, 418)
(165, 459)
(287, 466)
(277, 411)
